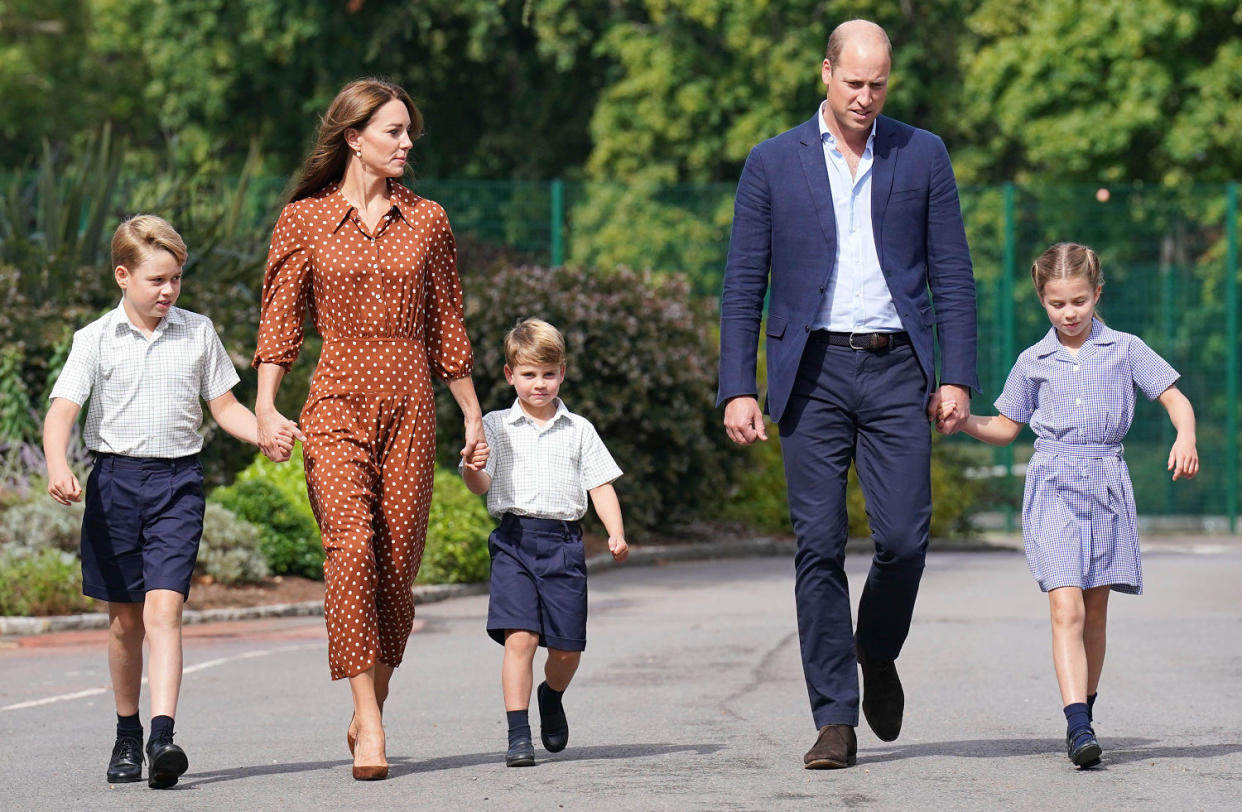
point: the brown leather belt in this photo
(865, 341)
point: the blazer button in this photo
(806, 328)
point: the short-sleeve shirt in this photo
(1088, 399)
(544, 471)
(145, 392)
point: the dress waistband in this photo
(381, 366)
(1079, 449)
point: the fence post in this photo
(1231, 362)
(558, 223)
(1006, 306)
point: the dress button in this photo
(1075, 367)
(1077, 401)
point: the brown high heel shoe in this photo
(370, 772)
(351, 738)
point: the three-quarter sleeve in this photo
(449, 354)
(286, 291)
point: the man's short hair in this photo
(534, 341)
(839, 35)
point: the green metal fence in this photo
(1170, 261)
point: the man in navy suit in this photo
(845, 222)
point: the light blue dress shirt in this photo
(856, 298)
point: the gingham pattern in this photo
(1078, 517)
(544, 472)
(144, 393)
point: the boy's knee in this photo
(521, 641)
(562, 657)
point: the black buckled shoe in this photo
(1083, 749)
(883, 699)
(553, 726)
(125, 766)
(521, 754)
(166, 762)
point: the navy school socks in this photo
(161, 726)
(519, 725)
(128, 727)
(1077, 718)
(1091, 707)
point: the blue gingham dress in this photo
(1078, 516)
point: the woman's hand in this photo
(277, 434)
(475, 451)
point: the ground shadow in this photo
(400, 765)
(1116, 750)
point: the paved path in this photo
(690, 697)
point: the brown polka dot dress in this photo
(389, 308)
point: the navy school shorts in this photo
(143, 522)
(538, 582)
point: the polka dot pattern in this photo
(388, 305)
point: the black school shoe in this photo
(167, 762)
(1083, 749)
(521, 754)
(553, 726)
(125, 766)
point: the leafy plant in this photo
(230, 551)
(39, 524)
(48, 582)
(457, 531)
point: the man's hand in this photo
(743, 420)
(949, 407)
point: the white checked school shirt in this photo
(1087, 399)
(144, 393)
(857, 297)
(544, 472)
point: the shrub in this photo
(230, 550)
(46, 582)
(457, 532)
(273, 498)
(641, 368)
(759, 498)
(41, 524)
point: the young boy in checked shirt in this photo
(542, 462)
(144, 367)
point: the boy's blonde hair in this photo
(534, 341)
(141, 234)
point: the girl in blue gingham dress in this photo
(1076, 389)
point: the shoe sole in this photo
(121, 780)
(525, 761)
(830, 764)
(166, 769)
(1088, 756)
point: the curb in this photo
(432, 593)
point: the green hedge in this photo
(457, 532)
(47, 582)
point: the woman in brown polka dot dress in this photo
(376, 265)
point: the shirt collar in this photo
(1100, 334)
(516, 415)
(120, 319)
(401, 199)
(828, 138)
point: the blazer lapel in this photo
(884, 155)
(811, 152)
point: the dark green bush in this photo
(457, 532)
(48, 582)
(273, 498)
(642, 369)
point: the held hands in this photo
(1184, 458)
(478, 460)
(64, 487)
(743, 420)
(949, 408)
(277, 435)
(619, 549)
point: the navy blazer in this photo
(783, 223)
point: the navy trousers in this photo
(866, 407)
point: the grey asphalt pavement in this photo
(690, 696)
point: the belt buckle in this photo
(869, 346)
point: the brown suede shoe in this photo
(836, 747)
(883, 700)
